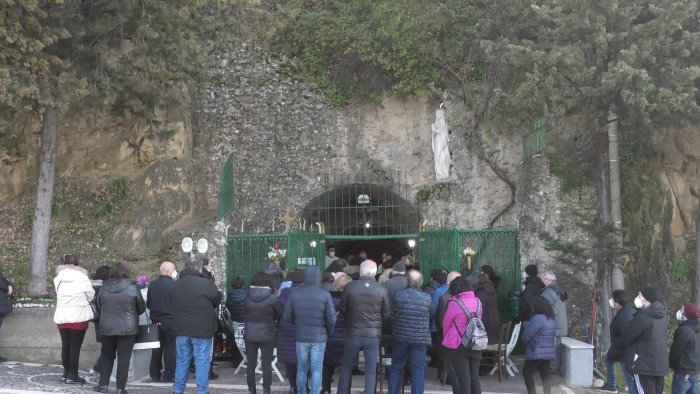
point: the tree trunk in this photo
(696, 276)
(38, 253)
(618, 279)
(604, 264)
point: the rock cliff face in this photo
(285, 137)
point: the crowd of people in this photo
(319, 322)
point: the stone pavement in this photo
(26, 378)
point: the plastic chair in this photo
(510, 366)
(498, 351)
(239, 330)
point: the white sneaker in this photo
(92, 372)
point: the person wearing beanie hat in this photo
(646, 340)
(684, 356)
(532, 286)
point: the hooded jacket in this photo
(194, 298)
(646, 338)
(618, 325)
(311, 309)
(235, 303)
(262, 312)
(120, 304)
(684, 356)
(486, 293)
(365, 306)
(538, 338)
(556, 298)
(74, 292)
(411, 311)
(455, 322)
(533, 285)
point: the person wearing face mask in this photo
(645, 337)
(618, 347)
(684, 357)
(162, 367)
(330, 255)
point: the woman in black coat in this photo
(120, 303)
(235, 300)
(486, 293)
(262, 313)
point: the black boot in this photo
(101, 389)
(74, 378)
(121, 391)
(266, 391)
(251, 391)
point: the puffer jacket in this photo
(365, 306)
(335, 345)
(684, 356)
(538, 338)
(286, 335)
(618, 325)
(5, 301)
(455, 322)
(262, 312)
(73, 295)
(557, 298)
(646, 338)
(120, 304)
(311, 309)
(411, 310)
(235, 303)
(486, 293)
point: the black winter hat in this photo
(399, 268)
(531, 270)
(651, 294)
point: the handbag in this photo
(225, 322)
(148, 336)
(95, 306)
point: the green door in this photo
(305, 249)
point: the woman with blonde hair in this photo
(74, 292)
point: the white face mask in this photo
(173, 275)
(331, 254)
(638, 303)
(680, 316)
(612, 303)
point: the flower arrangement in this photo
(276, 254)
(143, 280)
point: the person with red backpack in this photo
(456, 322)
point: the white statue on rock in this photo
(441, 146)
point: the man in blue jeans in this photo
(411, 313)
(618, 347)
(365, 306)
(194, 299)
(310, 309)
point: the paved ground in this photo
(25, 378)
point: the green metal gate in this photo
(499, 248)
(247, 254)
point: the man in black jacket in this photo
(684, 357)
(365, 306)
(194, 298)
(646, 338)
(411, 311)
(618, 347)
(311, 310)
(161, 312)
(533, 286)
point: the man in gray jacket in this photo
(556, 298)
(311, 310)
